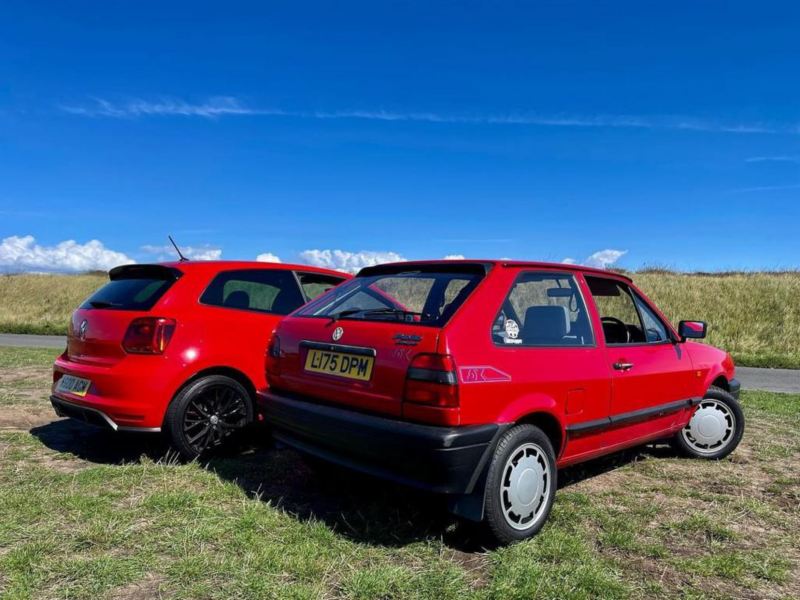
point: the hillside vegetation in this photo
(755, 316)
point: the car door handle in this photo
(622, 366)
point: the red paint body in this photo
(134, 390)
(507, 384)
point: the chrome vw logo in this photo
(337, 334)
(82, 329)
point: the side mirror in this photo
(692, 329)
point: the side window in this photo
(314, 285)
(261, 290)
(543, 309)
(654, 329)
(618, 312)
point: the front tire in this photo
(521, 484)
(715, 429)
(205, 413)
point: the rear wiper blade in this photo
(375, 311)
(101, 304)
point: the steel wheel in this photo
(711, 427)
(212, 415)
(525, 486)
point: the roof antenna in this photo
(178, 250)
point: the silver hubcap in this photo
(711, 427)
(525, 486)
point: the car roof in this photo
(509, 264)
(224, 265)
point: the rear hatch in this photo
(98, 327)
(354, 345)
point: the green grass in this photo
(755, 316)
(76, 521)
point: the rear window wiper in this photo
(102, 304)
(375, 311)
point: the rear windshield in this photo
(425, 298)
(136, 290)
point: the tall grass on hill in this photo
(755, 316)
(43, 303)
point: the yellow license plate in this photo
(341, 364)
(73, 385)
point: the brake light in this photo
(148, 335)
(431, 380)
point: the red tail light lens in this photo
(432, 381)
(148, 335)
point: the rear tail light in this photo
(432, 381)
(148, 335)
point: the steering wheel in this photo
(619, 325)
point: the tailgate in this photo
(360, 364)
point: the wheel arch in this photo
(549, 424)
(722, 383)
(227, 371)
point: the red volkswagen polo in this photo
(480, 379)
(178, 346)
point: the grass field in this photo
(87, 514)
(755, 316)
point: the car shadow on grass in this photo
(356, 506)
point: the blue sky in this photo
(537, 130)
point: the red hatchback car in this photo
(479, 380)
(178, 346)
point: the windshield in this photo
(425, 298)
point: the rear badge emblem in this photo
(337, 334)
(82, 329)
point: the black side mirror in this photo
(692, 329)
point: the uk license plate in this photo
(73, 385)
(340, 364)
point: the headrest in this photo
(545, 324)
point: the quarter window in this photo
(260, 290)
(314, 284)
(654, 329)
(543, 309)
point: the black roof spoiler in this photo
(467, 268)
(144, 272)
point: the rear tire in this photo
(205, 414)
(521, 484)
(715, 428)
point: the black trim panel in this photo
(631, 417)
(735, 388)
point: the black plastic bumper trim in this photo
(438, 459)
(735, 388)
(92, 416)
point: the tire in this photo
(715, 428)
(205, 414)
(519, 495)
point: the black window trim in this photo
(633, 295)
(575, 278)
(248, 310)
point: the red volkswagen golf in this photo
(178, 346)
(480, 379)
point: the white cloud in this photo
(167, 252)
(351, 262)
(136, 107)
(569, 261)
(454, 257)
(268, 257)
(230, 106)
(603, 259)
(22, 253)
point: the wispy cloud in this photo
(767, 188)
(230, 106)
(761, 159)
(167, 252)
(602, 259)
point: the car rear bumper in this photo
(446, 460)
(92, 416)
